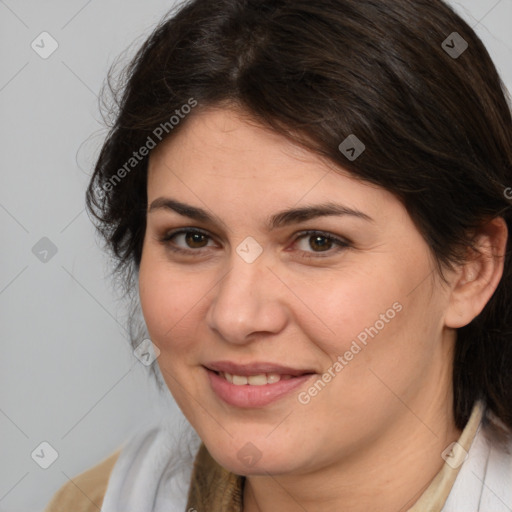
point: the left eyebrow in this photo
(296, 215)
(281, 219)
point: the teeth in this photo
(254, 380)
(273, 377)
(239, 380)
(257, 380)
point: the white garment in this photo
(153, 474)
(153, 471)
(484, 482)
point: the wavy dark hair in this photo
(436, 125)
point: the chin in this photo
(249, 460)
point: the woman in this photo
(310, 200)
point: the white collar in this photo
(484, 482)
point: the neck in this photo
(391, 474)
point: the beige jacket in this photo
(85, 492)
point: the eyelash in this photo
(340, 243)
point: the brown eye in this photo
(187, 241)
(196, 240)
(320, 243)
(314, 243)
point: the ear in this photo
(475, 281)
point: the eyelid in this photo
(325, 234)
(341, 243)
(168, 235)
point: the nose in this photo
(247, 302)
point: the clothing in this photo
(85, 492)
(153, 473)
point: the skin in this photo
(372, 438)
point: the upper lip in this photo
(255, 368)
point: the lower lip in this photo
(248, 396)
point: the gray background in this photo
(67, 374)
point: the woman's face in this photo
(330, 318)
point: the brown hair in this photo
(436, 126)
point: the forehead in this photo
(222, 154)
(227, 142)
(230, 136)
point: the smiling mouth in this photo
(260, 384)
(261, 379)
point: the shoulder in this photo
(484, 481)
(154, 467)
(497, 478)
(84, 492)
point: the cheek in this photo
(162, 298)
(156, 302)
(172, 302)
(344, 307)
(370, 318)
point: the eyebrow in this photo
(281, 219)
